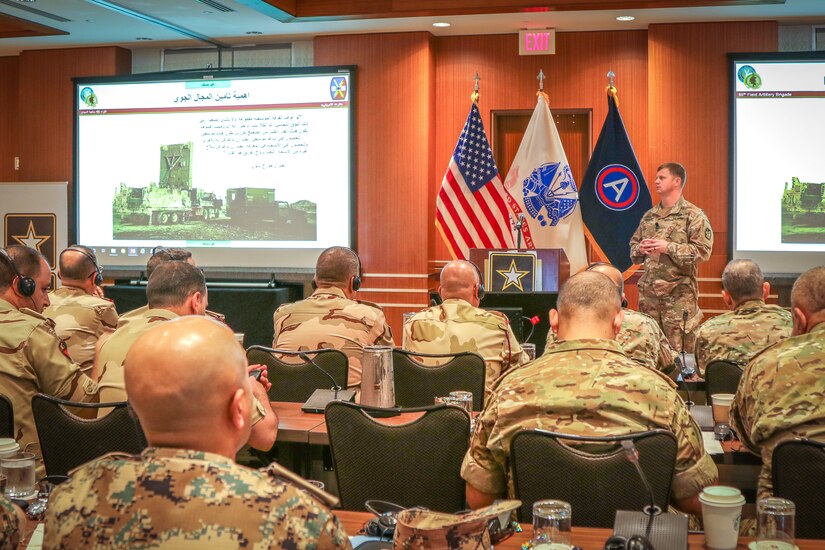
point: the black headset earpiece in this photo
(481, 289)
(25, 285)
(98, 270)
(356, 281)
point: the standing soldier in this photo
(672, 239)
(80, 314)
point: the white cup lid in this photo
(722, 398)
(720, 495)
(8, 444)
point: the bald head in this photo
(588, 306)
(808, 300)
(459, 279)
(742, 280)
(187, 382)
(614, 274)
(336, 266)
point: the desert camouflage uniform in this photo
(137, 313)
(79, 320)
(668, 286)
(113, 354)
(328, 319)
(642, 340)
(34, 360)
(176, 498)
(455, 326)
(9, 525)
(780, 397)
(583, 387)
(742, 333)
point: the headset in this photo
(481, 289)
(98, 270)
(356, 280)
(25, 285)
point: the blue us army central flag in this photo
(614, 195)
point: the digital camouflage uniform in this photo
(780, 397)
(583, 387)
(740, 334)
(34, 360)
(328, 319)
(176, 498)
(455, 326)
(9, 525)
(668, 286)
(80, 319)
(642, 340)
(113, 355)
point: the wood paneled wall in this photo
(8, 120)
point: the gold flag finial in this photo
(541, 93)
(611, 86)
(475, 95)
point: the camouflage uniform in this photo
(34, 360)
(176, 498)
(130, 316)
(9, 525)
(668, 286)
(583, 387)
(455, 326)
(328, 319)
(780, 397)
(80, 319)
(113, 354)
(642, 340)
(742, 333)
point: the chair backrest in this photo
(721, 377)
(798, 470)
(6, 417)
(417, 385)
(295, 381)
(414, 464)
(596, 480)
(68, 441)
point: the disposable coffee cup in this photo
(721, 513)
(8, 447)
(721, 406)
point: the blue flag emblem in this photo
(550, 188)
(617, 187)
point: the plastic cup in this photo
(19, 471)
(721, 407)
(405, 319)
(239, 336)
(464, 400)
(721, 513)
(530, 349)
(552, 525)
(775, 519)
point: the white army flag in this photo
(540, 186)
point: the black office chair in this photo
(417, 385)
(6, 417)
(721, 377)
(798, 471)
(68, 441)
(294, 381)
(596, 479)
(415, 464)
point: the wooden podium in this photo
(518, 301)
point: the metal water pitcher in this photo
(377, 383)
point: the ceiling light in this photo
(254, 32)
(441, 24)
(143, 38)
(625, 18)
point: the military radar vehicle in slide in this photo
(172, 199)
(253, 204)
(804, 203)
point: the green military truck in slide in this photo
(804, 202)
(254, 204)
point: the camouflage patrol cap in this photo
(420, 529)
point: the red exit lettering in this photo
(537, 41)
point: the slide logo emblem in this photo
(338, 87)
(88, 96)
(748, 76)
(617, 187)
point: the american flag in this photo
(471, 209)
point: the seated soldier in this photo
(185, 490)
(584, 385)
(80, 313)
(175, 289)
(750, 326)
(458, 324)
(780, 393)
(332, 317)
(11, 518)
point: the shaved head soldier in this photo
(780, 393)
(584, 385)
(186, 489)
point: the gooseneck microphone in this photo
(632, 455)
(687, 372)
(308, 359)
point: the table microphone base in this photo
(317, 402)
(667, 531)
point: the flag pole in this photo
(611, 86)
(475, 95)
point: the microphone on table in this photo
(686, 370)
(670, 531)
(321, 397)
(534, 320)
(308, 359)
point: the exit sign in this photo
(537, 42)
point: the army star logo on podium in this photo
(512, 272)
(38, 231)
(512, 276)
